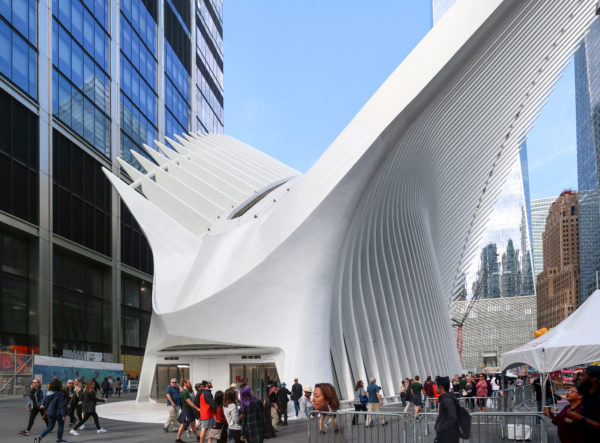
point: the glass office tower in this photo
(508, 232)
(587, 101)
(81, 83)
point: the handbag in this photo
(364, 399)
(215, 432)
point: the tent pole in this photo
(503, 390)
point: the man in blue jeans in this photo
(296, 395)
(374, 402)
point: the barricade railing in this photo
(359, 426)
(400, 427)
(16, 373)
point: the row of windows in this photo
(141, 14)
(19, 159)
(86, 31)
(138, 91)
(137, 127)
(213, 19)
(178, 38)
(79, 67)
(78, 112)
(142, 58)
(176, 105)
(72, 11)
(206, 117)
(14, 299)
(216, 69)
(135, 249)
(183, 11)
(82, 197)
(18, 60)
(209, 93)
(22, 15)
(176, 72)
(172, 126)
(136, 311)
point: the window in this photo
(81, 305)
(82, 198)
(19, 158)
(136, 311)
(135, 250)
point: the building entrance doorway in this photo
(256, 376)
(163, 376)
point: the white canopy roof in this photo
(574, 341)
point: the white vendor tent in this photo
(574, 341)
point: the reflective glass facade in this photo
(587, 101)
(539, 213)
(105, 78)
(509, 226)
(18, 40)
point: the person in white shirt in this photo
(232, 414)
(306, 405)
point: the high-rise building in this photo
(587, 102)
(510, 220)
(511, 272)
(82, 82)
(539, 213)
(558, 285)
(487, 284)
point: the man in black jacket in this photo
(34, 402)
(296, 395)
(446, 424)
(282, 402)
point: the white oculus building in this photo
(359, 255)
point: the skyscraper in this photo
(511, 272)
(539, 213)
(81, 83)
(558, 285)
(487, 284)
(510, 220)
(587, 101)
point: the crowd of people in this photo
(77, 401)
(237, 413)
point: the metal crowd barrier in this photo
(351, 426)
(400, 427)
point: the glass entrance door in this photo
(256, 376)
(162, 378)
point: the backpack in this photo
(464, 422)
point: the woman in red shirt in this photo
(221, 421)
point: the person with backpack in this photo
(55, 410)
(447, 422)
(35, 399)
(207, 409)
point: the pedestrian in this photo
(569, 430)
(282, 403)
(35, 400)
(482, 392)
(409, 394)
(456, 386)
(173, 404)
(232, 414)
(207, 409)
(416, 387)
(296, 395)
(306, 404)
(96, 385)
(55, 409)
(326, 401)
(273, 408)
(75, 405)
(105, 387)
(373, 402)
(427, 390)
(469, 392)
(220, 427)
(89, 409)
(590, 416)
(118, 386)
(110, 385)
(253, 420)
(187, 416)
(402, 393)
(360, 401)
(68, 393)
(446, 423)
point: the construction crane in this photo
(459, 323)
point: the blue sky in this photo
(296, 72)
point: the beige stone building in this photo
(558, 286)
